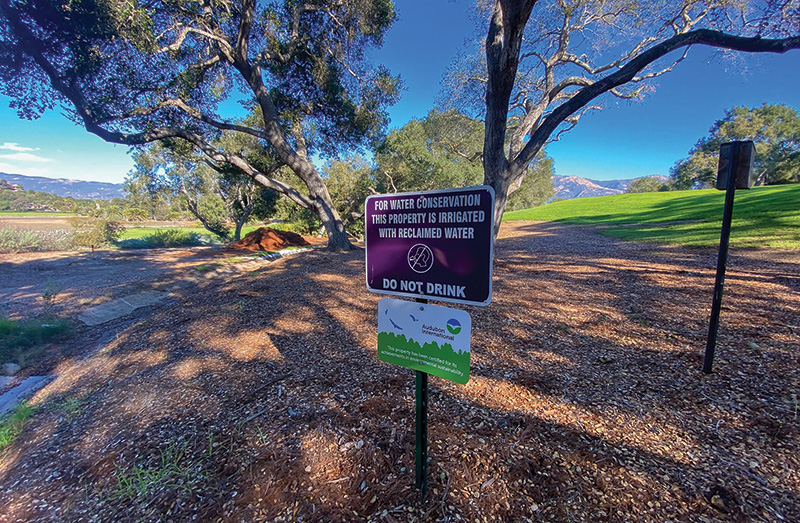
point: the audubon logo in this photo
(453, 326)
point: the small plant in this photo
(49, 295)
(11, 424)
(70, 407)
(141, 480)
(238, 307)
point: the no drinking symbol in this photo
(420, 258)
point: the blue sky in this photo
(625, 140)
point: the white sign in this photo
(425, 337)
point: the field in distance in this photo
(762, 216)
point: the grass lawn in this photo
(141, 232)
(762, 217)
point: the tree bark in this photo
(503, 44)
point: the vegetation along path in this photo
(258, 396)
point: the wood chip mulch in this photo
(258, 396)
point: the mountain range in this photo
(566, 187)
(67, 188)
(569, 187)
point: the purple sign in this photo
(435, 244)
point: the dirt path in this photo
(83, 279)
(257, 396)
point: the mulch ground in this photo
(259, 397)
(268, 239)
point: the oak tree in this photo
(444, 150)
(216, 195)
(546, 62)
(775, 130)
(135, 72)
(653, 183)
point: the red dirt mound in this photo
(266, 239)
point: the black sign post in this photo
(734, 171)
(421, 429)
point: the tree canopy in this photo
(647, 184)
(136, 72)
(444, 150)
(775, 130)
(213, 194)
(544, 63)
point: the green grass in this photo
(141, 232)
(12, 423)
(20, 340)
(762, 217)
(139, 480)
(158, 238)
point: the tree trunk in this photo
(502, 58)
(237, 232)
(322, 202)
(337, 237)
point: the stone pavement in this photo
(120, 307)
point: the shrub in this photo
(20, 337)
(163, 238)
(95, 231)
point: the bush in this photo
(95, 231)
(301, 227)
(18, 338)
(163, 238)
(14, 240)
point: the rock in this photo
(9, 369)
(716, 501)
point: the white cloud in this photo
(25, 171)
(25, 157)
(13, 146)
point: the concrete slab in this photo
(120, 307)
(5, 381)
(143, 299)
(105, 312)
(26, 388)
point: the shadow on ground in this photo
(259, 397)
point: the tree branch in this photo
(628, 72)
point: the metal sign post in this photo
(735, 166)
(421, 430)
(421, 434)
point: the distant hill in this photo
(64, 187)
(570, 187)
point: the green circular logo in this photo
(453, 326)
